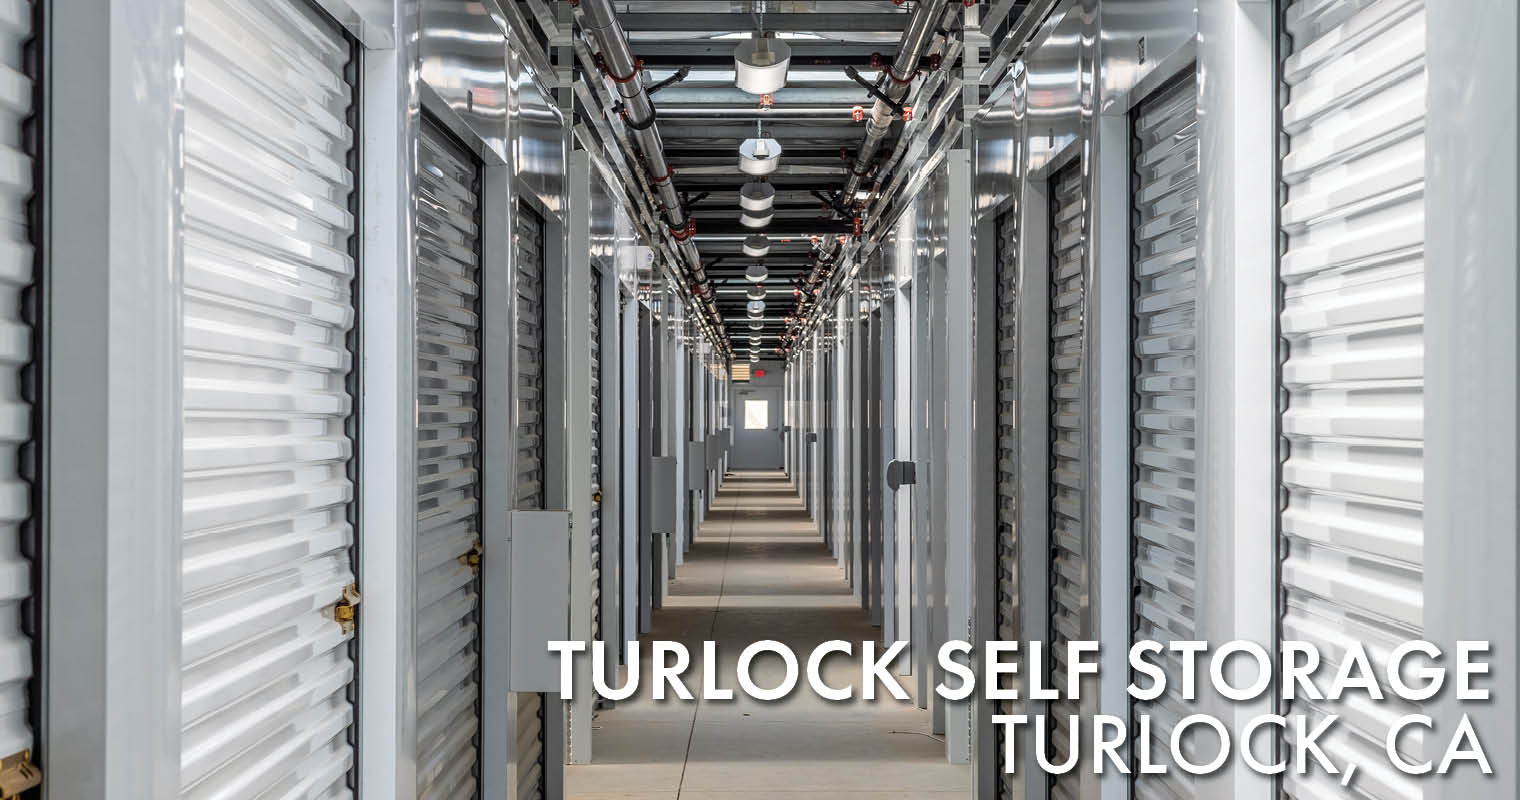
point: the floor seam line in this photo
(691, 735)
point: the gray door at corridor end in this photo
(757, 427)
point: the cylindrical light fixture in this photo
(757, 196)
(756, 272)
(756, 219)
(760, 64)
(757, 246)
(759, 156)
(755, 307)
(756, 292)
(756, 325)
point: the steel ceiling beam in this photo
(838, 96)
(798, 133)
(732, 171)
(793, 22)
(830, 112)
(780, 226)
(720, 53)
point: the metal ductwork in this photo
(617, 60)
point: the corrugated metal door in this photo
(1007, 457)
(1353, 287)
(268, 401)
(1164, 393)
(448, 467)
(596, 454)
(15, 642)
(530, 456)
(1068, 457)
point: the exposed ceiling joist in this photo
(720, 53)
(779, 226)
(677, 22)
(795, 133)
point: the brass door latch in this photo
(471, 559)
(344, 610)
(17, 774)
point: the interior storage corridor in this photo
(357, 350)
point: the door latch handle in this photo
(901, 473)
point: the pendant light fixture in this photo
(755, 307)
(757, 196)
(756, 292)
(760, 63)
(757, 246)
(756, 272)
(756, 219)
(760, 155)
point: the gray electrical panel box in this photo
(696, 465)
(662, 494)
(714, 446)
(540, 597)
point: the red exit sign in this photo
(759, 373)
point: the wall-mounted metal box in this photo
(540, 597)
(696, 465)
(662, 494)
(714, 446)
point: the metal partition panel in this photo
(632, 505)
(858, 418)
(1068, 451)
(267, 671)
(449, 419)
(885, 452)
(1164, 395)
(531, 470)
(899, 444)
(921, 530)
(871, 487)
(1353, 283)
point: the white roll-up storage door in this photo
(1352, 279)
(267, 682)
(18, 254)
(1164, 283)
(530, 457)
(1068, 456)
(448, 467)
(1007, 459)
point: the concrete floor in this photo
(759, 570)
